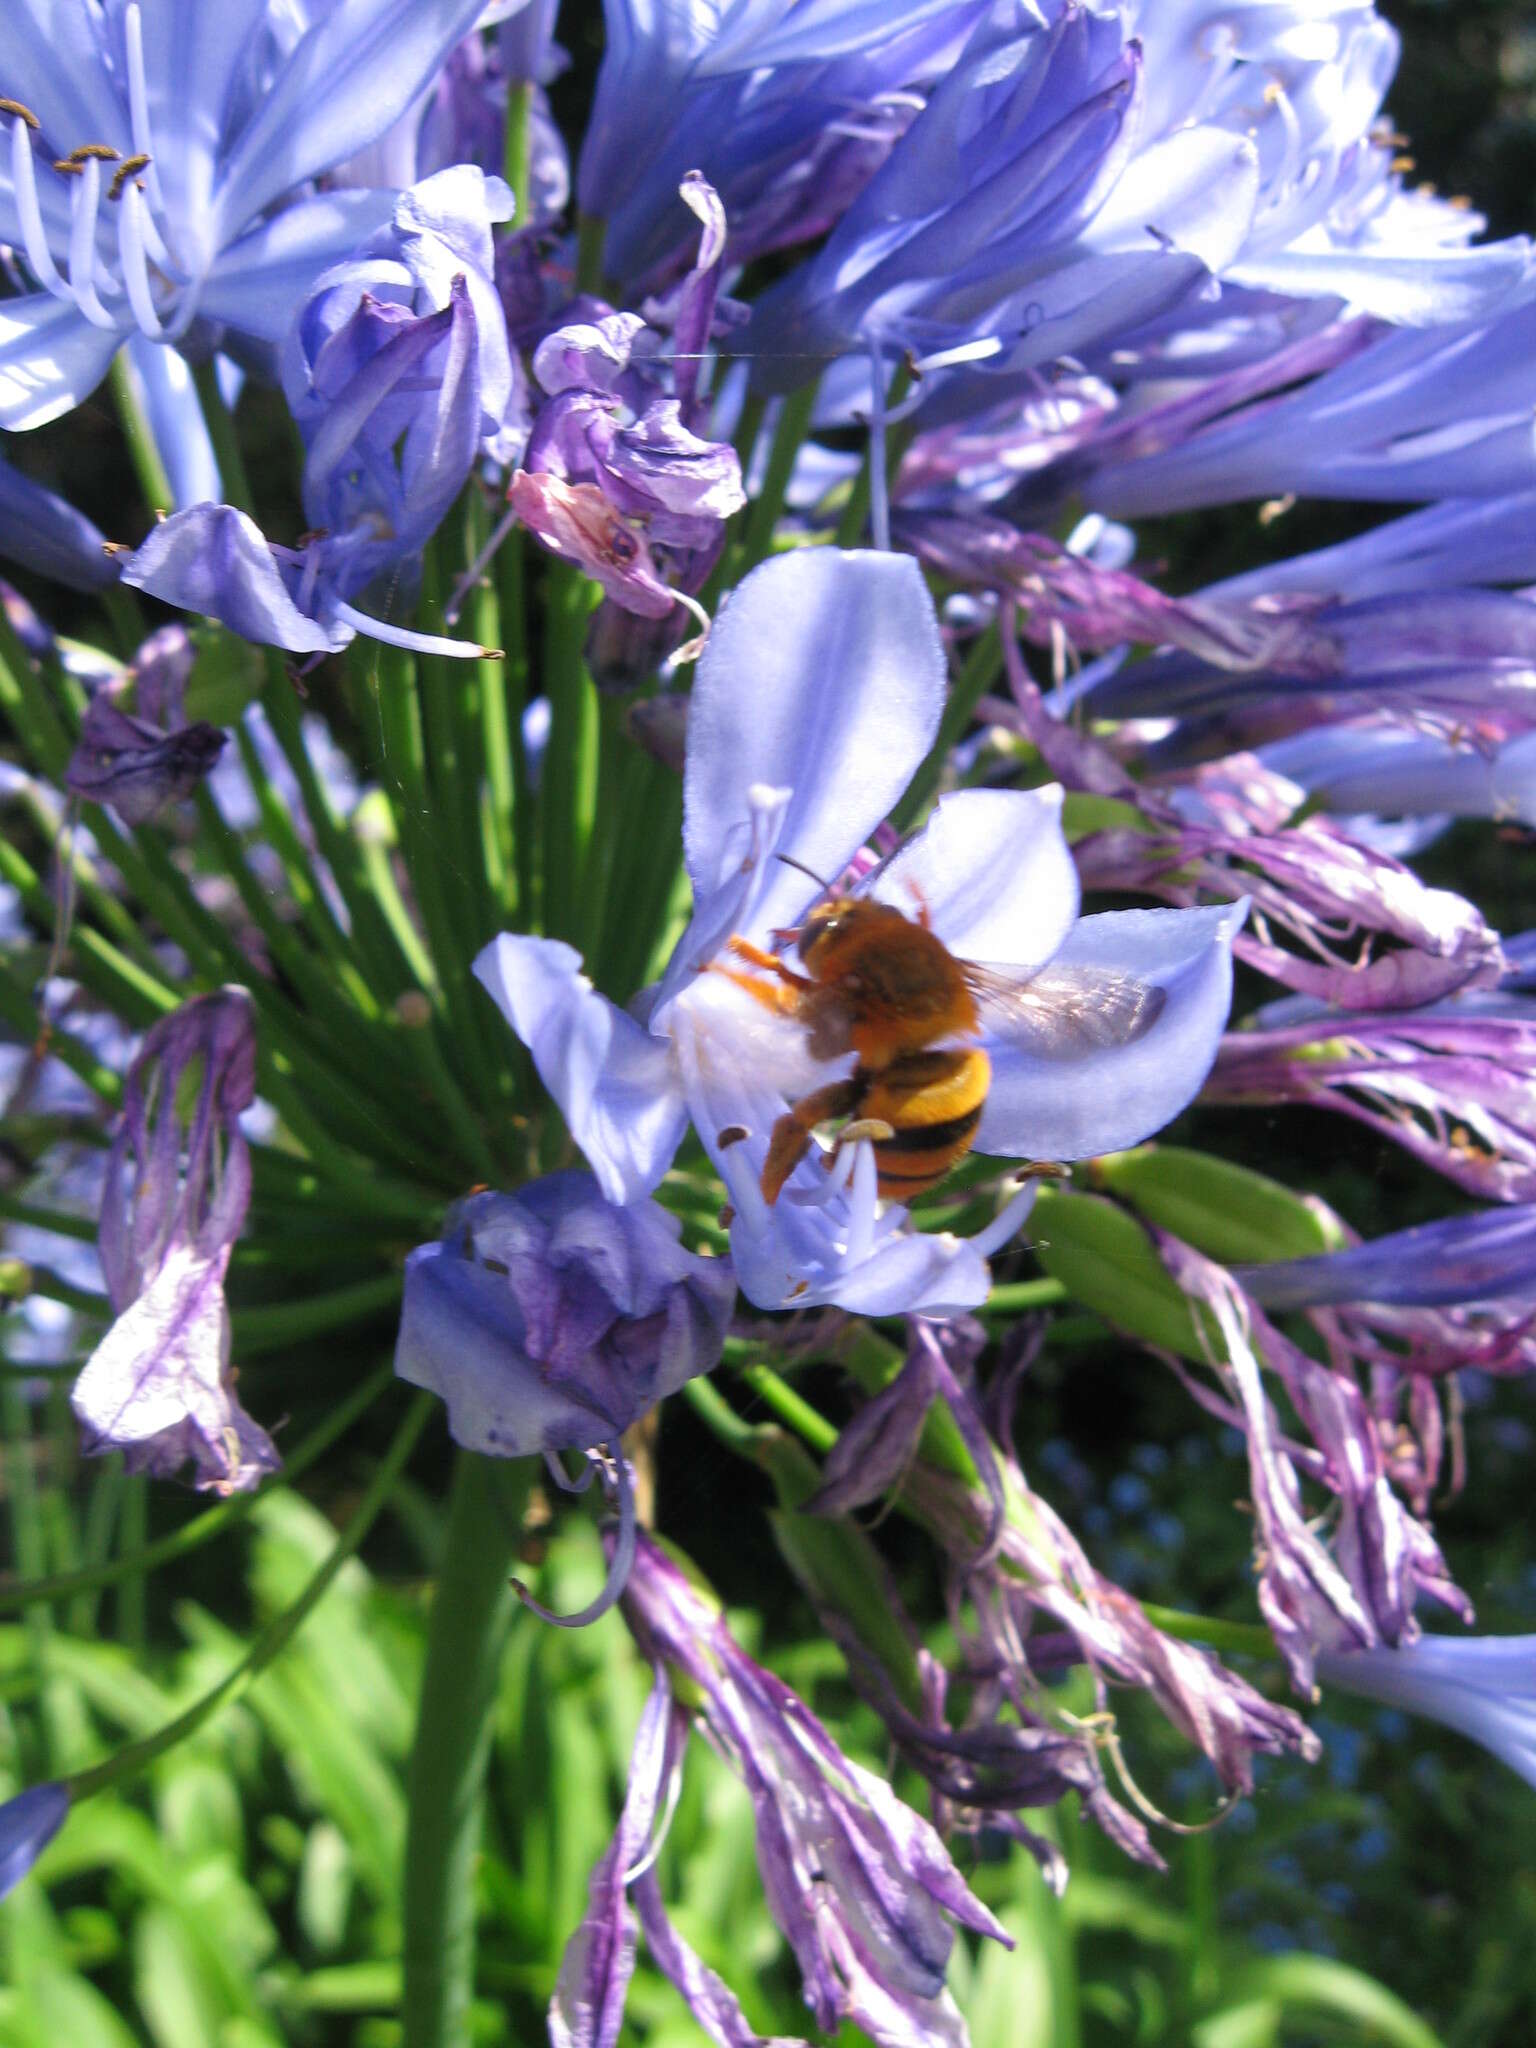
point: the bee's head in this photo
(824, 922)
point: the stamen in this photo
(85, 203)
(138, 97)
(34, 235)
(103, 152)
(129, 166)
(419, 643)
(22, 113)
(130, 244)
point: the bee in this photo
(885, 987)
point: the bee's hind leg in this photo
(790, 1138)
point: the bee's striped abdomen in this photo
(933, 1103)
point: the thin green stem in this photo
(590, 237)
(471, 1616)
(517, 152)
(794, 423)
(1249, 1636)
(850, 527)
(1019, 1295)
(143, 450)
(221, 431)
(568, 799)
(291, 1322)
(979, 672)
(278, 1633)
(792, 1409)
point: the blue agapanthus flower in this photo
(160, 175)
(817, 698)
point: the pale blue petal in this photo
(192, 54)
(175, 414)
(352, 77)
(615, 1084)
(1423, 290)
(823, 675)
(215, 560)
(1117, 1095)
(256, 285)
(51, 358)
(53, 65)
(752, 34)
(993, 872)
(43, 532)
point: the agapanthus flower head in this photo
(159, 176)
(1485, 1686)
(158, 1387)
(862, 1888)
(816, 699)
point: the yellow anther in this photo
(124, 172)
(22, 113)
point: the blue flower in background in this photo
(1485, 1686)
(28, 1823)
(815, 701)
(159, 179)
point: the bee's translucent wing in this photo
(1064, 1012)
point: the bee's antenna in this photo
(790, 862)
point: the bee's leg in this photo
(924, 914)
(759, 956)
(773, 995)
(790, 1138)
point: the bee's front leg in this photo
(790, 1138)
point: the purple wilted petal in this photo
(135, 765)
(1363, 1590)
(158, 1386)
(1485, 1686)
(582, 525)
(552, 1319)
(1454, 1082)
(589, 355)
(876, 1447)
(28, 1823)
(693, 320)
(713, 2005)
(587, 2009)
(1433, 1265)
(862, 1888)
